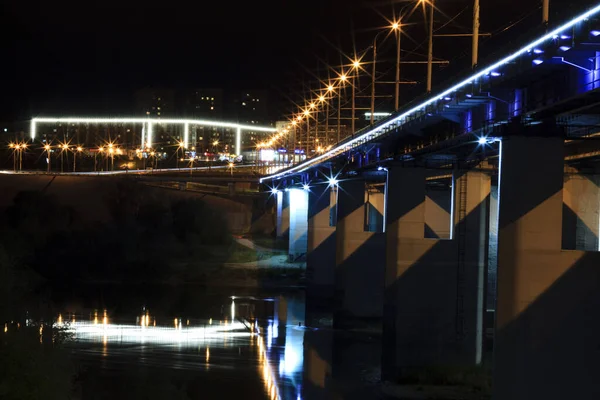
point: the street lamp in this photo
(307, 114)
(47, 150)
(64, 147)
(180, 146)
(430, 47)
(355, 65)
(111, 151)
(79, 150)
(343, 79)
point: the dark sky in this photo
(89, 57)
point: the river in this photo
(211, 343)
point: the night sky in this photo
(89, 57)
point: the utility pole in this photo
(353, 82)
(327, 123)
(475, 54)
(545, 12)
(430, 50)
(397, 94)
(373, 81)
(339, 117)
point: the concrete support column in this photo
(581, 218)
(298, 224)
(359, 259)
(471, 235)
(375, 208)
(546, 341)
(438, 208)
(434, 289)
(283, 214)
(321, 255)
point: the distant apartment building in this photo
(250, 107)
(155, 102)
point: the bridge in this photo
(475, 209)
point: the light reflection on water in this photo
(277, 346)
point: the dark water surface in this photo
(202, 343)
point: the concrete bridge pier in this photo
(283, 215)
(547, 325)
(581, 206)
(298, 198)
(360, 257)
(321, 252)
(434, 301)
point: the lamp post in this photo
(79, 149)
(64, 148)
(545, 12)
(307, 114)
(430, 47)
(111, 151)
(373, 77)
(329, 91)
(47, 150)
(343, 79)
(22, 147)
(355, 66)
(396, 26)
(475, 52)
(181, 146)
(14, 146)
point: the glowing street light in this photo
(79, 150)
(330, 88)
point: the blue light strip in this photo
(399, 119)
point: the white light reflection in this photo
(269, 377)
(156, 334)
